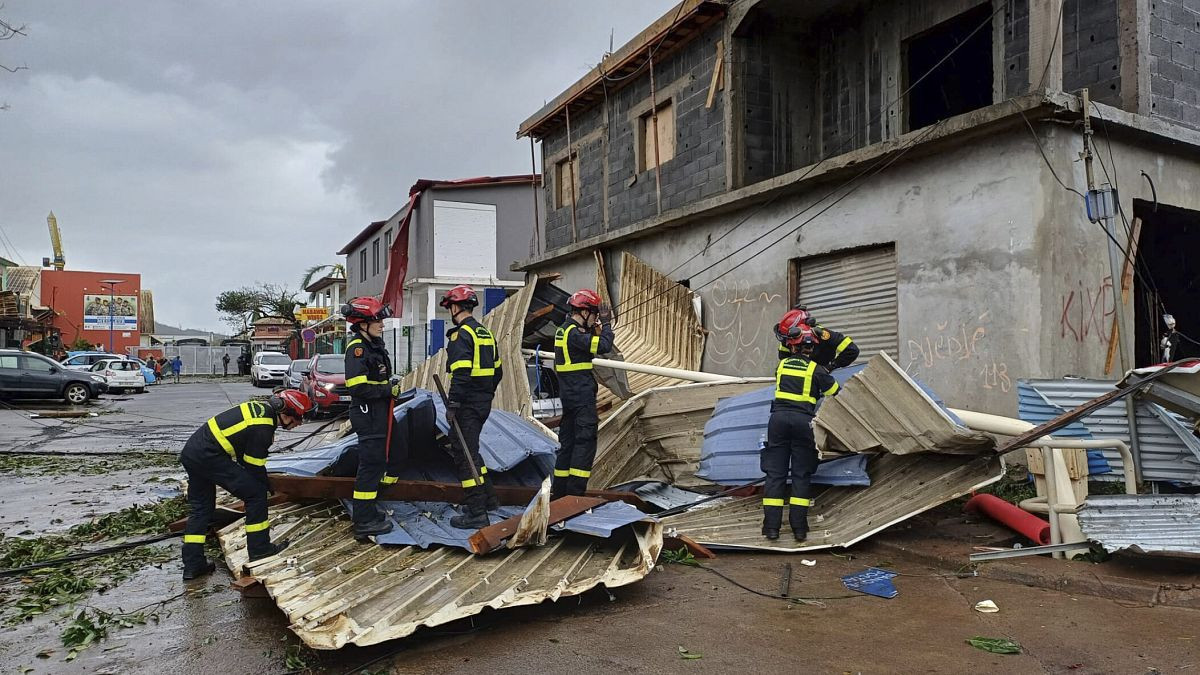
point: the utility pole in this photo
(1103, 207)
(112, 295)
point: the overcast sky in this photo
(212, 144)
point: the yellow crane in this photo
(56, 240)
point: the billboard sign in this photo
(312, 313)
(123, 312)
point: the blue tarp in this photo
(738, 427)
(872, 581)
(515, 452)
(1032, 407)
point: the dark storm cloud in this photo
(212, 144)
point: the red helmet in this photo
(585, 298)
(792, 324)
(807, 336)
(292, 402)
(365, 309)
(460, 295)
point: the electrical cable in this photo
(653, 51)
(791, 599)
(838, 151)
(84, 555)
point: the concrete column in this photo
(1134, 24)
(1045, 45)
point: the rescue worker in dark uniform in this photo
(230, 450)
(368, 377)
(835, 350)
(586, 333)
(473, 361)
(799, 384)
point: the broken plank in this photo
(330, 487)
(678, 541)
(492, 537)
(717, 79)
(249, 587)
(226, 514)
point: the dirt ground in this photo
(207, 628)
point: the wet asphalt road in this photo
(207, 628)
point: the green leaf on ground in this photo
(994, 645)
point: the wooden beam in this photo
(1126, 287)
(716, 76)
(683, 541)
(224, 515)
(329, 487)
(492, 537)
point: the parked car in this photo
(294, 378)
(269, 368)
(325, 382)
(121, 374)
(83, 361)
(29, 375)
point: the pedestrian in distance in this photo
(473, 361)
(586, 333)
(177, 367)
(230, 450)
(791, 448)
(372, 392)
(225, 363)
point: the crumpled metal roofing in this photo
(1148, 523)
(882, 409)
(336, 591)
(902, 486)
(1032, 407)
(1168, 450)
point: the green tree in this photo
(239, 307)
(336, 270)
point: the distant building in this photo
(271, 333)
(453, 232)
(99, 307)
(23, 318)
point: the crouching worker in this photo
(799, 384)
(230, 450)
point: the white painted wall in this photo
(464, 239)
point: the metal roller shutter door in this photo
(854, 293)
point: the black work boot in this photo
(199, 570)
(267, 551)
(378, 525)
(800, 535)
(470, 520)
(770, 533)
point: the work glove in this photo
(605, 313)
(395, 382)
(450, 414)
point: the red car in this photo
(325, 382)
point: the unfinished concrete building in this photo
(908, 169)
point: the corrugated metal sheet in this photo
(855, 293)
(604, 520)
(657, 323)
(507, 323)
(660, 494)
(336, 591)
(1032, 407)
(1168, 451)
(1149, 523)
(657, 434)
(902, 486)
(882, 409)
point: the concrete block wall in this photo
(1091, 50)
(612, 193)
(1016, 47)
(1175, 61)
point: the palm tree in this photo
(336, 270)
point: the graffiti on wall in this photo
(960, 346)
(740, 335)
(1087, 311)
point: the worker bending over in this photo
(230, 450)
(799, 384)
(586, 333)
(473, 361)
(835, 351)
